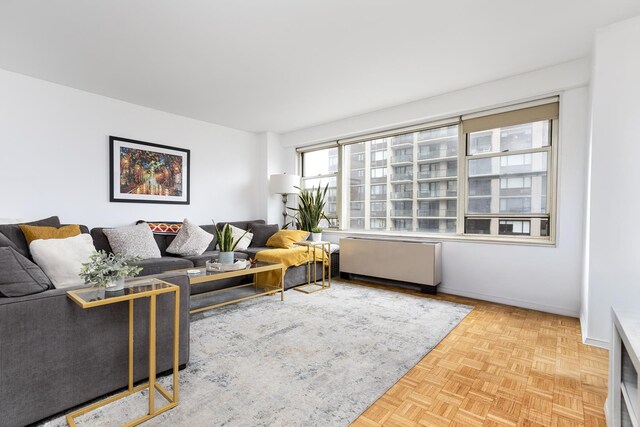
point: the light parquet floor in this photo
(501, 366)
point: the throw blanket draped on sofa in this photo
(298, 255)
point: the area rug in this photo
(313, 360)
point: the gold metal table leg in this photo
(152, 354)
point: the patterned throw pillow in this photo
(168, 228)
(133, 240)
(190, 241)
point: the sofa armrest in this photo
(54, 355)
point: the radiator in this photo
(405, 261)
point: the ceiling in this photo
(281, 65)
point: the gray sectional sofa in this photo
(295, 276)
(55, 356)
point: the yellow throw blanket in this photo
(298, 255)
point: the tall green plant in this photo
(225, 238)
(310, 210)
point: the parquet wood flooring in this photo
(501, 366)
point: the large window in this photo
(508, 165)
(488, 175)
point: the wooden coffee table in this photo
(233, 294)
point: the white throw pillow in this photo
(236, 233)
(61, 259)
(191, 240)
(245, 241)
(133, 240)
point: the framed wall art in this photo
(142, 172)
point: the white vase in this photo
(115, 285)
(316, 237)
(225, 257)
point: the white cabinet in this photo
(623, 402)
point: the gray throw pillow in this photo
(15, 234)
(261, 233)
(133, 240)
(19, 276)
(191, 240)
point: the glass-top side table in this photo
(315, 285)
(147, 288)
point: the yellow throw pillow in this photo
(33, 232)
(286, 238)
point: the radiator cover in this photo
(406, 261)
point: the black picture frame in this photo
(144, 172)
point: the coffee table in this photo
(237, 293)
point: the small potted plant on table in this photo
(226, 244)
(108, 270)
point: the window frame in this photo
(552, 193)
(462, 179)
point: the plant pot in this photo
(225, 257)
(316, 237)
(115, 285)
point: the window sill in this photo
(442, 237)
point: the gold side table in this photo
(96, 297)
(315, 286)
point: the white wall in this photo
(54, 157)
(544, 278)
(274, 159)
(613, 262)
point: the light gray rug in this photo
(313, 360)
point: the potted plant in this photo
(316, 234)
(227, 244)
(310, 210)
(108, 270)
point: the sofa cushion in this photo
(100, 240)
(160, 265)
(6, 243)
(35, 232)
(261, 233)
(19, 276)
(133, 240)
(13, 233)
(251, 251)
(62, 259)
(191, 240)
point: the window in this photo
(508, 164)
(320, 168)
(489, 174)
(436, 180)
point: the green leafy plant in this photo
(310, 210)
(104, 268)
(225, 238)
(316, 230)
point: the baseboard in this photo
(510, 301)
(596, 342)
(591, 341)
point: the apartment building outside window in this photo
(488, 175)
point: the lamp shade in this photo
(284, 183)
